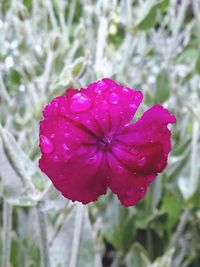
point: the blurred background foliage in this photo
(47, 46)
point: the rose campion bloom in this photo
(89, 143)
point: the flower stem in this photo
(7, 229)
(43, 236)
(77, 234)
(101, 42)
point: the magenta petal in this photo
(104, 107)
(147, 159)
(129, 187)
(87, 143)
(150, 128)
(84, 183)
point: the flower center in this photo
(105, 143)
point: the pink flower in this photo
(88, 143)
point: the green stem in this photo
(149, 242)
(180, 228)
(43, 236)
(77, 234)
(7, 229)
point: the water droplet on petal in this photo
(92, 159)
(100, 86)
(96, 117)
(80, 102)
(63, 110)
(125, 91)
(114, 98)
(121, 114)
(88, 122)
(77, 118)
(104, 105)
(66, 135)
(142, 161)
(52, 135)
(141, 191)
(134, 151)
(56, 104)
(55, 158)
(120, 169)
(78, 140)
(66, 151)
(133, 106)
(46, 145)
(65, 148)
(159, 166)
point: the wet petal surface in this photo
(88, 143)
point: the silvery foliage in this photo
(46, 46)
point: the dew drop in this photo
(78, 140)
(125, 91)
(66, 135)
(114, 98)
(80, 102)
(88, 122)
(142, 161)
(55, 158)
(77, 118)
(100, 86)
(120, 169)
(104, 105)
(52, 135)
(159, 166)
(46, 145)
(133, 106)
(66, 151)
(92, 159)
(96, 117)
(141, 191)
(65, 148)
(134, 151)
(63, 110)
(121, 114)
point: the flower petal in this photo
(129, 187)
(69, 155)
(81, 178)
(104, 107)
(145, 144)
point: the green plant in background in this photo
(46, 46)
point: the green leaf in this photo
(197, 66)
(137, 257)
(146, 15)
(165, 260)
(180, 149)
(164, 5)
(11, 182)
(172, 204)
(162, 86)
(15, 76)
(26, 176)
(189, 54)
(78, 67)
(74, 241)
(118, 225)
(28, 4)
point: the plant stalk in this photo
(7, 230)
